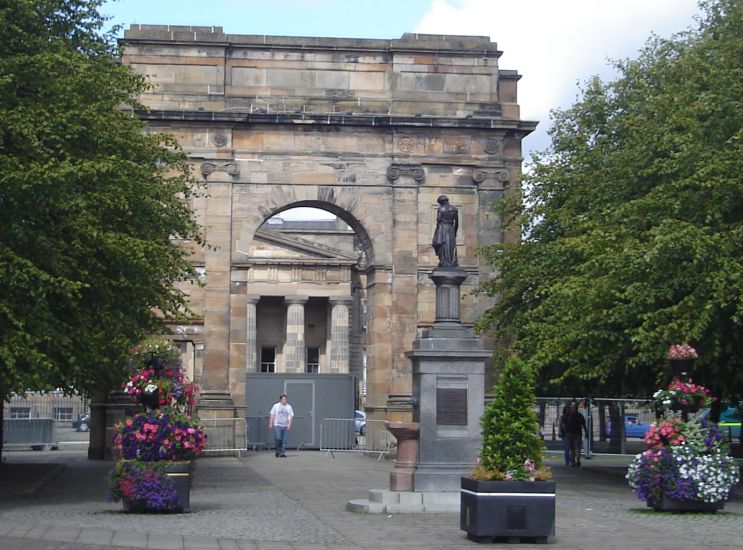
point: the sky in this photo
(554, 44)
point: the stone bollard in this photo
(406, 433)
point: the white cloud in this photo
(555, 44)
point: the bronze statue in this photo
(445, 236)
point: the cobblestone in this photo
(299, 504)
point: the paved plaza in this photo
(56, 500)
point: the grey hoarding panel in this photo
(313, 397)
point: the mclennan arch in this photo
(372, 131)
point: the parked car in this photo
(633, 427)
(360, 422)
(82, 423)
(729, 420)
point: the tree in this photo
(632, 223)
(511, 445)
(90, 203)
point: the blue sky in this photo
(554, 44)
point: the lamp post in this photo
(681, 368)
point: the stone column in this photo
(339, 334)
(251, 337)
(294, 348)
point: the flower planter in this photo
(179, 473)
(507, 509)
(668, 504)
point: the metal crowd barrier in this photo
(625, 438)
(226, 435)
(338, 435)
(259, 437)
(257, 432)
(38, 433)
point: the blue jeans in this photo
(279, 435)
(566, 449)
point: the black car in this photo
(82, 423)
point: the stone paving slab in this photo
(298, 503)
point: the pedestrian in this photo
(576, 427)
(280, 420)
(563, 433)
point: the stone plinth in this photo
(406, 433)
(448, 391)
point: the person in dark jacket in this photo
(576, 427)
(563, 432)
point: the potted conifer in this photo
(509, 493)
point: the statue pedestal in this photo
(448, 391)
(406, 433)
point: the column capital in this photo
(253, 298)
(341, 300)
(301, 300)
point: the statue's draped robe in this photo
(445, 236)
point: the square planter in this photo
(180, 474)
(507, 509)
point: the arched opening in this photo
(308, 293)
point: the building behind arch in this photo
(372, 131)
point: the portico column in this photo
(294, 348)
(251, 336)
(339, 331)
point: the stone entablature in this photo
(418, 74)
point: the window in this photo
(313, 360)
(20, 412)
(268, 359)
(62, 413)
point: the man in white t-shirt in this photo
(280, 420)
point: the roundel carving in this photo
(405, 144)
(220, 138)
(491, 146)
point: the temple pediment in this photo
(271, 245)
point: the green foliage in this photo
(89, 201)
(632, 223)
(510, 430)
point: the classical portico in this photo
(371, 131)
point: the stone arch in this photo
(370, 130)
(333, 208)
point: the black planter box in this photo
(180, 474)
(507, 509)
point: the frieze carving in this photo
(414, 171)
(491, 146)
(231, 168)
(457, 144)
(479, 175)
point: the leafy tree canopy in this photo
(89, 202)
(632, 223)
